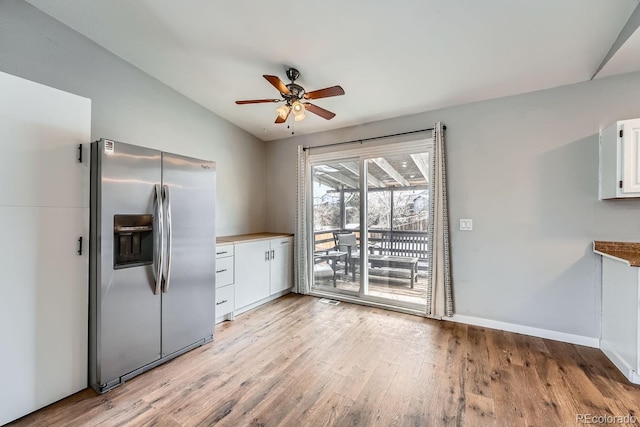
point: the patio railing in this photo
(383, 242)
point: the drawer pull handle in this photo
(220, 253)
(221, 271)
(221, 302)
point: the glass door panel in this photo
(336, 226)
(397, 221)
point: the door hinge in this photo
(620, 184)
(79, 153)
(621, 133)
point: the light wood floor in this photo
(298, 362)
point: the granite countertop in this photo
(253, 236)
(628, 252)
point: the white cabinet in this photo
(263, 270)
(620, 327)
(225, 281)
(224, 303)
(44, 210)
(281, 272)
(252, 272)
(620, 160)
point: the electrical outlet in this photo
(466, 224)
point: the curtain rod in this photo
(370, 139)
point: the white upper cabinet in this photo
(620, 160)
(40, 132)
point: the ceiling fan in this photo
(295, 98)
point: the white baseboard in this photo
(526, 330)
(624, 367)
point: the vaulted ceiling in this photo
(391, 58)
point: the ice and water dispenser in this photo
(133, 240)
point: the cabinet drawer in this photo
(224, 300)
(224, 250)
(281, 241)
(224, 271)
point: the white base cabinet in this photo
(281, 271)
(252, 272)
(263, 270)
(620, 339)
(44, 210)
(225, 281)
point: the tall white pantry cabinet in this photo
(44, 211)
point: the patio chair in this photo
(347, 242)
(323, 271)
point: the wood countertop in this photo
(247, 237)
(628, 252)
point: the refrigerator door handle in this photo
(159, 237)
(167, 278)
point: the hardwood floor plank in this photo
(479, 411)
(583, 392)
(298, 362)
(423, 391)
(368, 407)
(477, 366)
(298, 406)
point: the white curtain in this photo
(439, 287)
(301, 263)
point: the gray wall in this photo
(130, 106)
(525, 169)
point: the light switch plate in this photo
(466, 224)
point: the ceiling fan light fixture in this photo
(298, 117)
(283, 111)
(298, 108)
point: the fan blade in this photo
(277, 83)
(325, 114)
(281, 120)
(325, 93)
(257, 101)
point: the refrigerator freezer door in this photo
(128, 312)
(188, 299)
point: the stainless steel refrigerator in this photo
(152, 263)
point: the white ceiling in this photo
(391, 58)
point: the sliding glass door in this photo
(370, 223)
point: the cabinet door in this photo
(631, 157)
(252, 272)
(40, 129)
(281, 264)
(43, 307)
